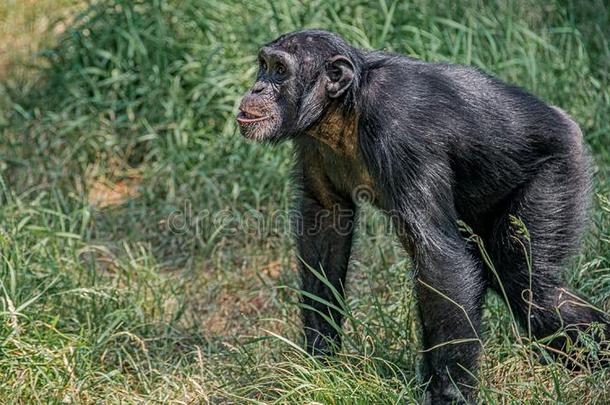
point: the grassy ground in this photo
(134, 266)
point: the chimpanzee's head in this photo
(300, 75)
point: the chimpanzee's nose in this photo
(258, 87)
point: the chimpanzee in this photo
(435, 144)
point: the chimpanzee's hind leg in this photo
(553, 209)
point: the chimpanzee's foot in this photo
(449, 394)
(320, 345)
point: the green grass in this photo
(112, 300)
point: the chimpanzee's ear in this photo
(340, 72)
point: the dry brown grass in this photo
(105, 193)
(26, 27)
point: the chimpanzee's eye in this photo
(280, 69)
(263, 65)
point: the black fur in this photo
(435, 143)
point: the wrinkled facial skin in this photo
(268, 108)
(299, 77)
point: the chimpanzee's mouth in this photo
(245, 117)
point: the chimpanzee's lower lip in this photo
(242, 118)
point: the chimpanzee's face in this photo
(271, 104)
(297, 78)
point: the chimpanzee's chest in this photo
(333, 164)
(336, 172)
(348, 174)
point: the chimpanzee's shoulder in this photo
(396, 71)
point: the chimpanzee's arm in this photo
(324, 238)
(449, 285)
(416, 190)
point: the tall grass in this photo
(108, 303)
